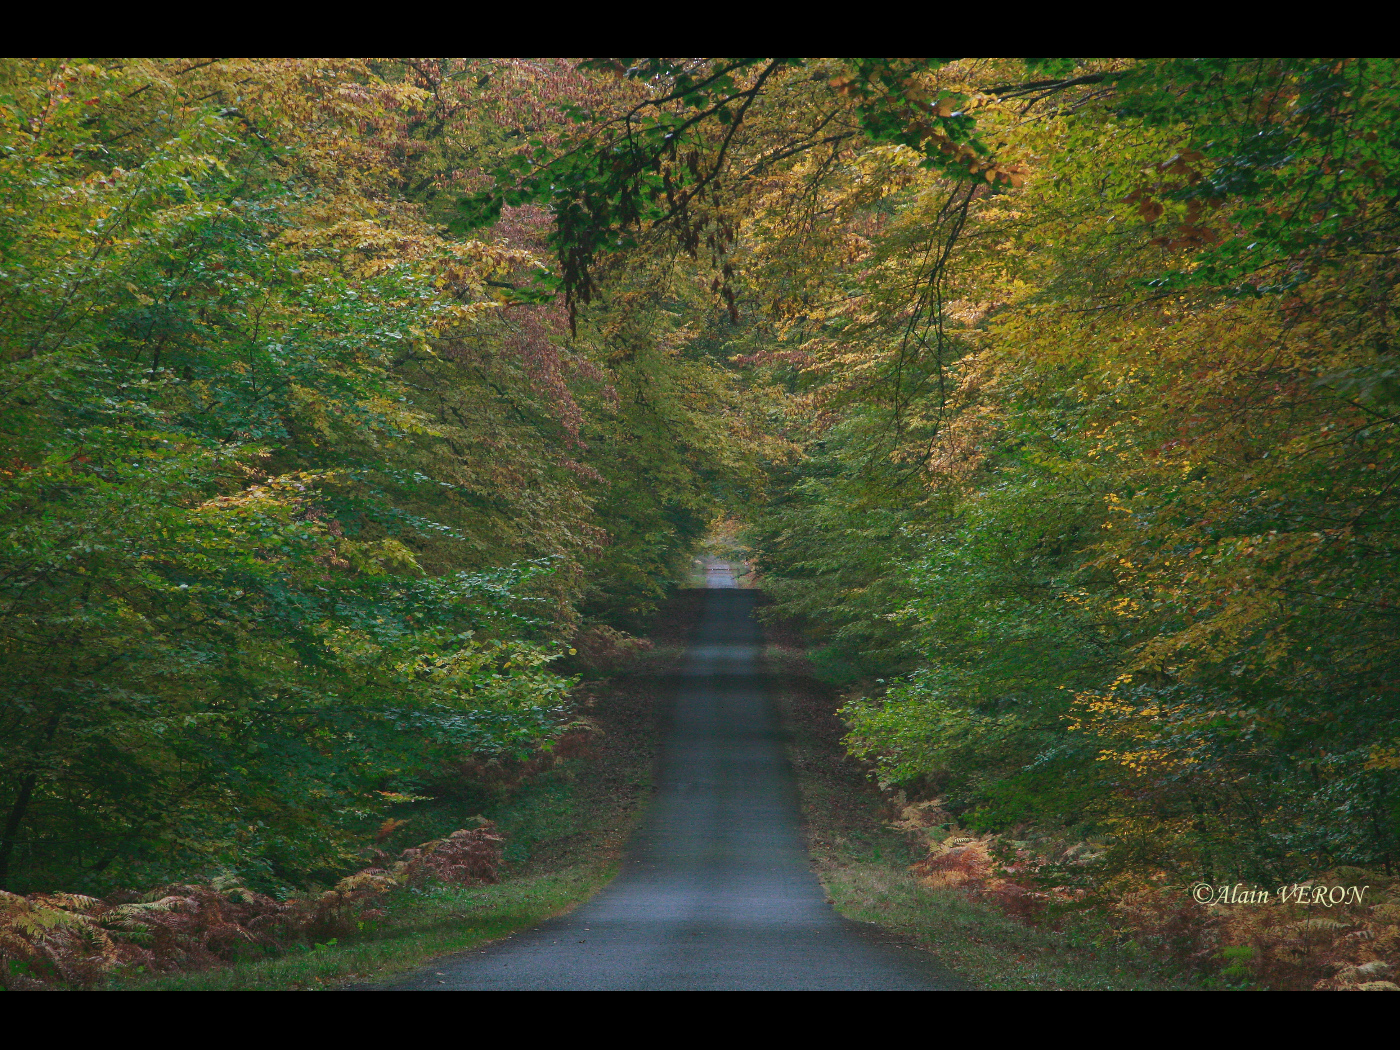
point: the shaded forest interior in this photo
(360, 415)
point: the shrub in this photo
(49, 939)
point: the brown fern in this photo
(76, 941)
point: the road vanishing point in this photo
(716, 890)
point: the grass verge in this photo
(863, 864)
(419, 926)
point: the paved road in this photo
(716, 891)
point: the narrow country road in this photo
(716, 891)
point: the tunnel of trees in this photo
(1057, 399)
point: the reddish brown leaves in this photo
(1191, 233)
(80, 941)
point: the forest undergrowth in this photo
(541, 836)
(866, 861)
(985, 905)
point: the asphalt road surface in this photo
(716, 890)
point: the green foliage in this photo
(220, 649)
(294, 508)
(1098, 469)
